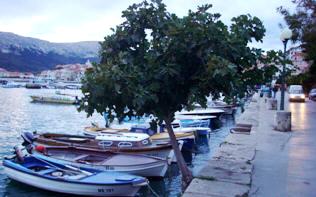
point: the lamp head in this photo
(286, 34)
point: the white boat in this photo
(140, 165)
(202, 112)
(61, 178)
(11, 85)
(200, 124)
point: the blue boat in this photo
(68, 179)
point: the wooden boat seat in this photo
(76, 177)
(47, 171)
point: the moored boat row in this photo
(105, 162)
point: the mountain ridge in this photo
(27, 54)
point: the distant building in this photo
(27, 75)
(67, 72)
(298, 59)
(3, 72)
(14, 74)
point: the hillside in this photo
(18, 53)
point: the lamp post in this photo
(285, 36)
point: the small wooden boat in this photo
(33, 86)
(139, 144)
(186, 136)
(57, 177)
(54, 99)
(140, 165)
(157, 137)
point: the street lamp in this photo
(285, 36)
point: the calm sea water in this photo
(19, 114)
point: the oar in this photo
(67, 166)
(79, 170)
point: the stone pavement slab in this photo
(207, 188)
(227, 171)
(235, 152)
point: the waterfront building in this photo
(67, 72)
(298, 59)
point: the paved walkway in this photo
(266, 162)
(285, 163)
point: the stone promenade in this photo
(265, 162)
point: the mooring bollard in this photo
(272, 104)
(282, 121)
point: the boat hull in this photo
(153, 169)
(164, 152)
(71, 188)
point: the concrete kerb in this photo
(229, 171)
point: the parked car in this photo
(296, 93)
(312, 94)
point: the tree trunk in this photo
(186, 173)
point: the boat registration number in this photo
(109, 168)
(110, 190)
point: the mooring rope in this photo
(153, 191)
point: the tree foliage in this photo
(157, 63)
(183, 60)
(303, 23)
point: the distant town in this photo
(74, 72)
(66, 73)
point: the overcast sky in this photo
(82, 20)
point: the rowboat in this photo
(54, 99)
(68, 179)
(140, 165)
(137, 144)
(157, 137)
(186, 136)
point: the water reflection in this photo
(202, 144)
(299, 119)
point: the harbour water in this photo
(19, 114)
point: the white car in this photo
(296, 93)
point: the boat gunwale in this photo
(154, 146)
